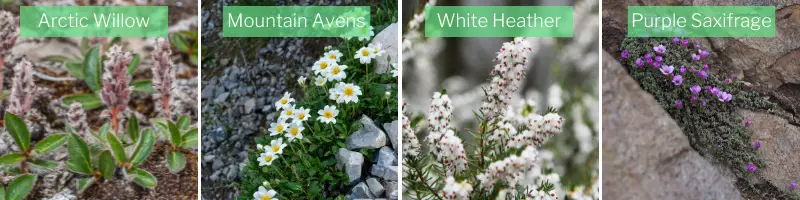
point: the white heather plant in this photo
(503, 161)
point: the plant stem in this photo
(425, 183)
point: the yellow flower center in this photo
(365, 52)
(348, 91)
(279, 128)
(289, 112)
(336, 70)
(275, 148)
(268, 158)
(328, 114)
(294, 131)
(333, 56)
(284, 101)
(301, 116)
(266, 197)
(323, 65)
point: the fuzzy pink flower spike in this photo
(76, 117)
(116, 84)
(163, 75)
(9, 31)
(22, 89)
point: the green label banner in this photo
(93, 21)
(701, 21)
(498, 21)
(296, 21)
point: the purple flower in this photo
(747, 123)
(683, 69)
(676, 40)
(793, 185)
(639, 62)
(659, 59)
(625, 54)
(684, 43)
(677, 79)
(656, 65)
(757, 145)
(751, 167)
(727, 80)
(702, 74)
(715, 91)
(695, 57)
(703, 54)
(678, 103)
(719, 146)
(724, 96)
(648, 56)
(660, 49)
(667, 69)
(705, 66)
(697, 46)
(703, 104)
(734, 76)
(694, 98)
(695, 89)
(708, 88)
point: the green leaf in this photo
(50, 143)
(176, 161)
(20, 187)
(93, 69)
(160, 125)
(2, 193)
(90, 101)
(78, 155)
(143, 86)
(189, 139)
(76, 69)
(56, 59)
(115, 40)
(18, 130)
(193, 59)
(291, 186)
(12, 158)
(174, 133)
(184, 122)
(106, 164)
(84, 45)
(144, 178)
(180, 43)
(44, 164)
(116, 148)
(84, 184)
(134, 63)
(133, 128)
(143, 148)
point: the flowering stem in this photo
(114, 119)
(425, 183)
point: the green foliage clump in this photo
(716, 130)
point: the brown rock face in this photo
(780, 144)
(645, 154)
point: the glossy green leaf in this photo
(134, 63)
(20, 187)
(43, 164)
(106, 164)
(93, 69)
(143, 86)
(84, 183)
(18, 130)
(50, 143)
(189, 139)
(90, 101)
(180, 43)
(12, 158)
(143, 148)
(160, 127)
(176, 161)
(76, 69)
(78, 155)
(193, 59)
(133, 128)
(144, 178)
(116, 149)
(175, 134)
(184, 122)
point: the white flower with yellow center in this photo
(364, 55)
(301, 114)
(320, 81)
(295, 132)
(328, 114)
(321, 66)
(263, 194)
(333, 55)
(348, 92)
(285, 101)
(266, 158)
(276, 146)
(336, 72)
(334, 94)
(301, 80)
(377, 49)
(287, 113)
(278, 128)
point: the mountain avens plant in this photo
(19, 188)
(26, 157)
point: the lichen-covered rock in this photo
(391, 131)
(645, 154)
(780, 142)
(369, 136)
(351, 162)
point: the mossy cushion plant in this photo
(704, 104)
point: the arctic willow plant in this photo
(9, 32)
(504, 162)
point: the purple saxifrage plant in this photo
(163, 75)
(116, 84)
(22, 89)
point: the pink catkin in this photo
(22, 89)
(77, 118)
(116, 83)
(9, 31)
(163, 75)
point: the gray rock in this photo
(351, 162)
(215, 176)
(233, 172)
(780, 142)
(386, 157)
(221, 97)
(375, 187)
(369, 136)
(361, 191)
(249, 106)
(217, 165)
(391, 189)
(645, 154)
(65, 194)
(208, 92)
(391, 131)
(388, 38)
(388, 173)
(209, 158)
